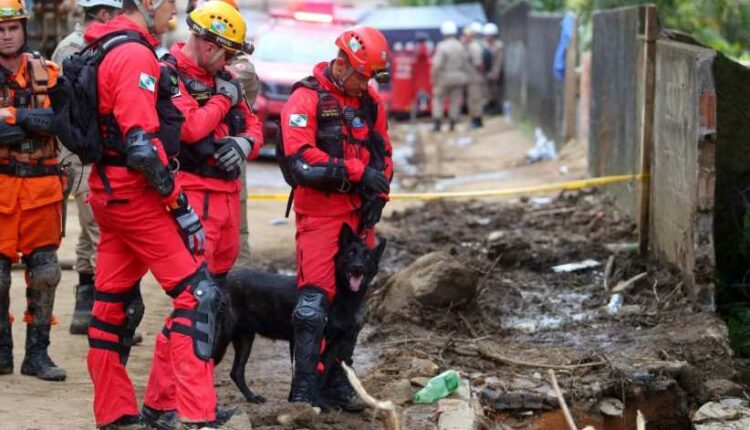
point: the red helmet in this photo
(367, 50)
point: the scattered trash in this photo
(574, 267)
(438, 387)
(615, 303)
(618, 247)
(464, 141)
(540, 201)
(544, 149)
(611, 406)
(279, 221)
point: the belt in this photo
(26, 170)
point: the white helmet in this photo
(398, 46)
(117, 4)
(489, 29)
(448, 28)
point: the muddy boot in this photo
(37, 362)
(126, 422)
(82, 312)
(436, 124)
(309, 320)
(6, 338)
(452, 125)
(338, 392)
(158, 419)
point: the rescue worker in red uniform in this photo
(31, 191)
(338, 154)
(218, 136)
(146, 224)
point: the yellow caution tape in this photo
(558, 186)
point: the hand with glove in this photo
(232, 152)
(230, 88)
(375, 181)
(371, 211)
(190, 225)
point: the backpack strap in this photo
(37, 69)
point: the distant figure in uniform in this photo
(244, 71)
(477, 85)
(449, 76)
(493, 59)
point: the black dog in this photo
(262, 303)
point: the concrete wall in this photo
(614, 120)
(683, 169)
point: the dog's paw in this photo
(256, 398)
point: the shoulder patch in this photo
(298, 120)
(147, 82)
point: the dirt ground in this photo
(521, 310)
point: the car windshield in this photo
(295, 47)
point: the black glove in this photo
(190, 225)
(232, 152)
(371, 211)
(374, 180)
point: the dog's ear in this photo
(346, 236)
(378, 251)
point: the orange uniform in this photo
(30, 210)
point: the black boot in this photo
(82, 312)
(169, 420)
(6, 350)
(339, 393)
(436, 124)
(126, 422)
(37, 362)
(6, 337)
(308, 319)
(476, 122)
(452, 125)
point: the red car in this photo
(286, 49)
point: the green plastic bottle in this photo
(438, 387)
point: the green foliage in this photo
(739, 330)
(723, 25)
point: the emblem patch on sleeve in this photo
(298, 120)
(147, 82)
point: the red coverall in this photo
(320, 215)
(216, 201)
(138, 235)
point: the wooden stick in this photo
(388, 408)
(608, 271)
(486, 353)
(561, 400)
(622, 286)
(640, 421)
(472, 332)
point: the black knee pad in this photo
(310, 312)
(203, 318)
(134, 308)
(43, 268)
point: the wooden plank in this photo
(647, 124)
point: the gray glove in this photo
(190, 225)
(230, 88)
(232, 152)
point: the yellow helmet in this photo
(218, 22)
(12, 10)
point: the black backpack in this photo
(74, 99)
